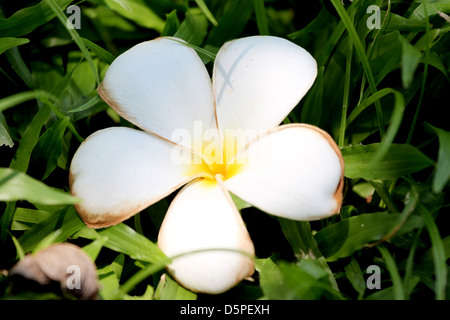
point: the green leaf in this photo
(396, 118)
(92, 102)
(65, 220)
(101, 53)
(239, 203)
(201, 4)
(172, 24)
(8, 43)
(49, 146)
(261, 17)
(5, 138)
(16, 185)
(232, 23)
(360, 51)
(169, 289)
(75, 36)
(148, 295)
(397, 22)
(137, 11)
(122, 238)
(93, 249)
(24, 217)
(193, 30)
(432, 8)
(299, 236)
(341, 239)
(47, 241)
(442, 173)
(411, 57)
(312, 109)
(355, 276)
(26, 20)
(109, 283)
(22, 97)
(400, 160)
(286, 281)
(397, 286)
(438, 251)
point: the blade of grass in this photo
(201, 4)
(19, 248)
(92, 102)
(22, 97)
(391, 266)
(26, 20)
(261, 17)
(425, 73)
(10, 42)
(363, 57)
(299, 236)
(101, 53)
(384, 194)
(138, 277)
(74, 34)
(410, 264)
(395, 122)
(346, 94)
(440, 265)
(200, 50)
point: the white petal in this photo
(162, 87)
(202, 216)
(258, 80)
(118, 172)
(294, 171)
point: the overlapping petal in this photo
(293, 171)
(119, 171)
(162, 87)
(203, 216)
(258, 80)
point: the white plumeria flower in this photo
(161, 86)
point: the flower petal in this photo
(294, 171)
(161, 86)
(203, 216)
(258, 80)
(120, 171)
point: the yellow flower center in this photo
(218, 158)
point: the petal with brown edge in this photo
(294, 171)
(120, 171)
(162, 87)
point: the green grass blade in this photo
(261, 17)
(66, 220)
(22, 97)
(74, 34)
(345, 101)
(101, 53)
(438, 250)
(425, 72)
(9, 42)
(138, 277)
(400, 160)
(362, 56)
(201, 4)
(16, 185)
(30, 139)
(26, 20)
(442, 174)
(391, 266)
(299, 235)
